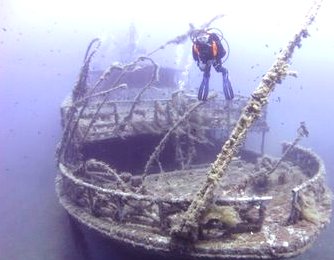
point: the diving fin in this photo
(203, 89)
(227, 87)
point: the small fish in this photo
(302, 130)
(4, 29)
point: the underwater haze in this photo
(42, 44)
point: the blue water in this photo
(39, 61)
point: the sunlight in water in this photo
(171, 12)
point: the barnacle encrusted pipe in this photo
(186, 230)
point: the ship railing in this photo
(225, 215)
(311, 191)
(153, 116)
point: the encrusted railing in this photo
(115, 200)
(314, 169)
(226, 216)
(155, 116)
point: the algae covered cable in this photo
(301, 132)
(79, 92)
(154, 156)
(187, 229)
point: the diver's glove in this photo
(227, 87)
(203, 89)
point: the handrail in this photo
(295, 209)
(130, 195)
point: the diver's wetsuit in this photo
(207, 53)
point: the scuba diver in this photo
(208, 50)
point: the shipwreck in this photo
(147, 164)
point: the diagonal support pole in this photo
(186, 230)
